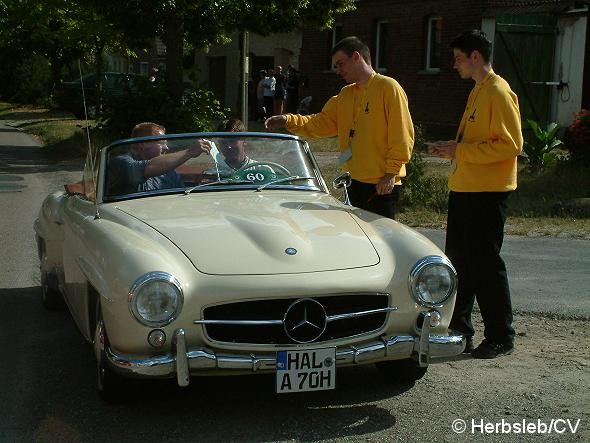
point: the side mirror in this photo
(343, 181)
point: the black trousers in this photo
(364, 196)
(475, 232)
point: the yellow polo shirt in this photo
(383, 130)
(490, 139)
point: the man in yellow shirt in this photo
(371, 119)
(484, 161)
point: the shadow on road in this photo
(32, 159)
(50, 385)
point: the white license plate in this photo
(306, 370)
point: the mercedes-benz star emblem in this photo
(305, 320)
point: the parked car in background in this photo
(114, 84)
(245, 265)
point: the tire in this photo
(402, 370)
(112, 387)
(50, 296)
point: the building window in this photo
(335, 38)
(433, 43)
(144, 68)
(381, 46)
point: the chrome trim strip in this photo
(330, 318)
(238, 322)
(205, 361)
(360, 314)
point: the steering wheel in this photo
(273, 165)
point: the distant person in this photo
(147, 166)
(292, 89)
(280, 97)
(484, 158)
(371, 118)
(268, 92)
(260, 111)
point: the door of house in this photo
(217, 76)
(524, 51)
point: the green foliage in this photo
(195, 112)
(422, 189)
(578, 137)
(541, 152)
(30, 80)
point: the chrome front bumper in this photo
(183, 362)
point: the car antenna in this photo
(90, 157)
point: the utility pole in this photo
(245, 75)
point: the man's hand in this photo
(444, 149)
(199, 147)
(386, 184)
(275, 122)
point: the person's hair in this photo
(473, 40)
(349, 45)
(232, 125)
(146, 128)
(262, 73)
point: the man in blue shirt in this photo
(147, 166)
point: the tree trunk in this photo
(174, 40)
(98, 67)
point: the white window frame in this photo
(144, 68)
(431, 20)
(378, 65)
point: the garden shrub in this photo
(421, 189)
(578, 137)
(194, 112)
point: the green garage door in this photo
(524, 50)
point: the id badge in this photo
(345, 156)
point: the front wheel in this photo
(404, 370)
(111, 386)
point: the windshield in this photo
(205, 163)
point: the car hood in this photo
(258, 233)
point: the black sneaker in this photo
(489, 349)
(468, 345)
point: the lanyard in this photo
(356, 110)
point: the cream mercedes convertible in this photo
(238, 261)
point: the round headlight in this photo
(433, 280)
(156, 299)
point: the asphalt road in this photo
(47, 379)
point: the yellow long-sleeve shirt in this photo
(490, 139)
(383, 130)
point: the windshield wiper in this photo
(282, 180)
(218, 182)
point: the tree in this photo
(200, 23)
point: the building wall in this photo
(571, 45)
(436, 99)
(281, 49)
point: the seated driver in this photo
(233, 155)
(147, 166)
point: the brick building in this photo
(539, 47)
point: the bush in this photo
(195, 112)
(540, 151)
(578, 137)
(30, 80)
(420, 189)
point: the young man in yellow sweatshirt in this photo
(484, 161)
(371, 119)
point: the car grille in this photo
(261, 321)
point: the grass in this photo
(58, 131)
(541, 206)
